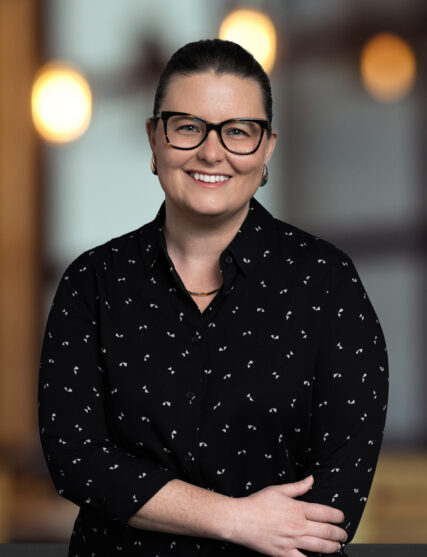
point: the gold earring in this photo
(264, 176)
(153, 165)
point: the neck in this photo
(200, 239)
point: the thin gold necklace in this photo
(189, 291)
(203, 293)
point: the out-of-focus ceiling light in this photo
(254, 31)
(387, 67)
(61, 102)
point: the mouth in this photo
(211, 180)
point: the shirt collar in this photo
(247, 247)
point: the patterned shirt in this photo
(283, 375)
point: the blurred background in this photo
(77, 82)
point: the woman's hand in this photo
(271, 522)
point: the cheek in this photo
(170, 159)
(167, 157)
(251, 165)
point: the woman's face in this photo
(215, 98)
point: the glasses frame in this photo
(166, 114)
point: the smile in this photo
(209, 178)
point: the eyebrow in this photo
(190, 114)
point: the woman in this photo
(216, 381)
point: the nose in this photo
(211, 149)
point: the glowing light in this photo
(254, 31)
(388, 67)
(61, 102)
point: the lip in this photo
(207, 173)
(208, 185)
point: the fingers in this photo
(298, 488)
(326, 531)
(318, 544)
(294, 553)
(322, 513)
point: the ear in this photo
(150, 128)
(271, 144)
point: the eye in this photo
(236, 132)
(184, 125)
(241, 129)
(188, 128)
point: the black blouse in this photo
(283, 375)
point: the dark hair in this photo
(217, 55)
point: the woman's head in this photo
(211, 170)
(221, 57)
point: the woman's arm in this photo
(183, 508)
(350, 397)
(87, 467)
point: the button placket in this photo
(191, 396)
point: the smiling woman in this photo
(216, 381)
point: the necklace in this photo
(196, 293)
(203, 293)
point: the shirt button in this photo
(189, 394)
(228, 259)
(195, 338)
(187, 457)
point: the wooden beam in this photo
(20, 225)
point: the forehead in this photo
(214, 96)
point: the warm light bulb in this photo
(254, 31)
(388, 67)
(61, 102)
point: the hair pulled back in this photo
(221, 57)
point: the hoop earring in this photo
(264, 177)
(153, 165)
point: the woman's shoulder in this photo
(302, 244)
(122, 247)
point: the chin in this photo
(210, 203)
(210, 208)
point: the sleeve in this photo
(86, 466)
(350, 396)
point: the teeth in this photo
(208, 178)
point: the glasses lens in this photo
(241, 136)
(185, 131)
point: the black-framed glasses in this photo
(241, 136)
